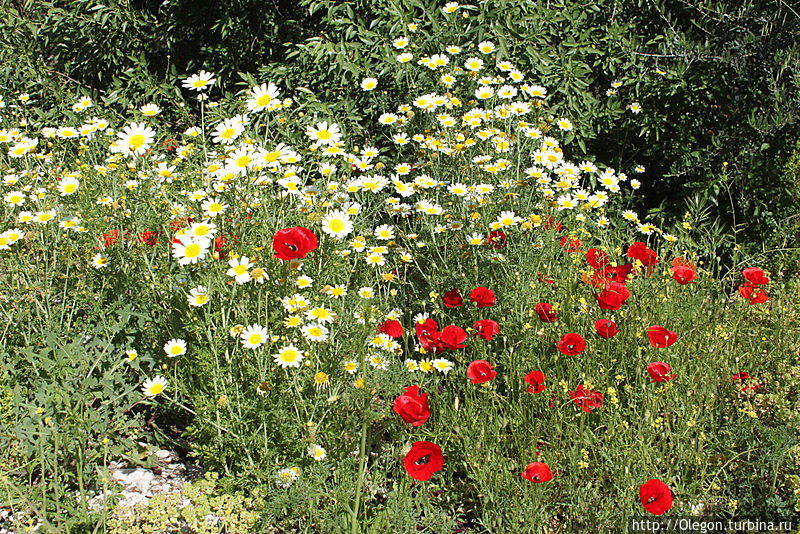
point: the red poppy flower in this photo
(640, 251)
(553, 223)
(483, 297)
(745, 376)
(655, 496)
(753, 292)
(391, 328)
(219, 244)
(170, 144)
(571, 244)
(430, 340)
(545, 312)
(571, 344)
(452, 299)
(755, 275)
(535, 381)
(480, 371)
(545, 279)
(618, 273)
(660, 337)
(606, 328)
(613, 296)
(537, 472)
(660, 372)
(680, 260)
(486, 328)
(293, 243)
(586, 399)
(412, 406)
(149, 238)
(109, 238)
(452, 337)
(597, 259)
(428, 326)
(497, 239)
(684, 274)
(423, 460)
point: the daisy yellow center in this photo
(176, 349)
(289, 356)
(315, 331)
(156, 389)
(263, 100)
(4, 241)
(320, 378)
(201, 231)
(136, 141)
(227, 133)
(192, 250)
(336, 225)
(240, 269)
(324, 134)
(243, 161)
(201, 299)
(216, 206)
(70, 188)
(255, 339)
(199, 83)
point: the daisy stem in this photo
(362, 464)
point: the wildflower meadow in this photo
(445, 318)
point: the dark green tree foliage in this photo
(719, 83)
(131, 51)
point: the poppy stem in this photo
(362, 465)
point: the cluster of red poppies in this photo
(425, 458)
(753, 288)
(147, 237)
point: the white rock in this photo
(130, 498)
(139, 479)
